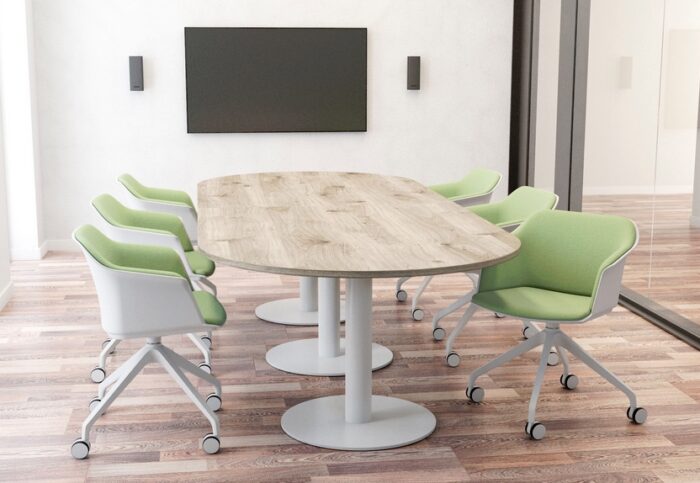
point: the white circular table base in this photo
(395, 422)
(301, 357)
(288, 312)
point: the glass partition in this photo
(641, 136)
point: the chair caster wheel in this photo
(536, 431)
(401, 295)
(211, 444)
(476, 394)
(97, 375)
(94, 402)
(207, 341)
(205, 367)
(553, 358)
(569, 382)
(638, 416)
(105, 343)
(452, 359)
(438, 333)
(417, 314)
(498, 315)
(80, 449)
(528, 332)
(214, 402)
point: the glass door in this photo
(618, 133)
(641, 135)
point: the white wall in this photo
(680, 85)
(5, 282)
(93, 128)
(21, 145)
(623, 121)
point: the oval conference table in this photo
(359, 227)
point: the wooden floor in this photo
(50, 335)
(666, 263)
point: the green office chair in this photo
(507, 214)
(161, 229)
(568, 271)
(145, 293)
(170, 201)
(475, 188)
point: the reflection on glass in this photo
(675, 264)
(641, 134)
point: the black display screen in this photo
(276, 79)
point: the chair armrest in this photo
(147, 237)
(474, 200)
(607, 292)
(187, 214)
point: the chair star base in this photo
(176, 366)
(98, 374)
(553, 337)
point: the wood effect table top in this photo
(348, 225)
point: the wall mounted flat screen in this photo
(276, 79)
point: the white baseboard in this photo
(59, 245)
(637, 190)
(5, 295)
(43, 249)
(62, 245)
(28, 253)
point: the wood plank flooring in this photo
(50, 336)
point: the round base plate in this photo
(288, 312)
(301, 357)
(395, 422)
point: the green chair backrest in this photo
(128, 257)
(478, 182)
(156, 194)
(119, 215)
(563, 251)
(517, 206)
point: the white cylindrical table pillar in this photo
(358, 420)
(329, 313)
(302, 310)
(325, 355)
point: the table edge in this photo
(364, 274)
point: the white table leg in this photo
(358, 371)
(329, 318)
(302, 310)
(358, 421)
(325, 355)
(308, 292)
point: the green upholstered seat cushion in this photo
(477, 182)
(155, 194)
(535, 303)
(200, 263)
(211, 309)
(560, 251)
(130, 257)
(119, 215)
(517, 206)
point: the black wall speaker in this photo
(136, 73)
(413, 73)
